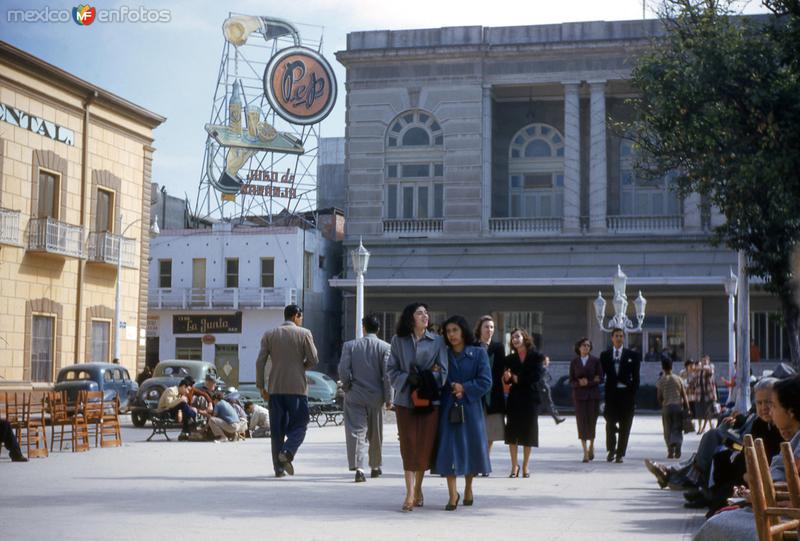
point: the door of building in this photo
(226, 359)
(198, 296)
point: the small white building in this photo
(213, 293)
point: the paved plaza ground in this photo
(186, 491)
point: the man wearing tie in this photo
(621, 367)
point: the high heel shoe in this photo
(515, 472)
(407, 507)
(468, 502)
(452, 506)
(591, 454)
(526, 474)
(419, 502)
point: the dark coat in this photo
(590, 371)
(494, 400)
(627, 374)
(522, 424)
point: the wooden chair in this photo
(59, 418)
(80, 428)
(33, 433)
(110, 432)
(792, 480)
(769, 526)
(93, 412)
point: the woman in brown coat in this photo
(585, 375)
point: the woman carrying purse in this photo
(462, 429)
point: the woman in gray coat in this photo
(417, 366)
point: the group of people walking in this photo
(454, 393)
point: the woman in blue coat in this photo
(462, 445)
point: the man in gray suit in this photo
(290, 350)
(362, 371)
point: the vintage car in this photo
(168, 373)
(112, 379)
(321, 390)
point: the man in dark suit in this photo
(621, 367)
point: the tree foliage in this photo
(720, 104)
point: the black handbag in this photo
(456, 415)
(688, 425)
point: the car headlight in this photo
(152, 394)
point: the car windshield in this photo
(174, 371)
(73, 375)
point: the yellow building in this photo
(75, 173)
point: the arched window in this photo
(643, 197)
(536, 173)
(414, 167)
(414, 128)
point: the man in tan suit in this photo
(290, 351)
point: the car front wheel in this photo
(139, 418)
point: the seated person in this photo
(259, 420)
(695, 473)
(8, 439)
(199, 399)
(224, 421)
(209, 386)
(739, 524)
(176, 401)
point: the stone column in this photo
(572, 158)
(691, 212)
(486, 168)
(598, 177)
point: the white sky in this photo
(171, 68)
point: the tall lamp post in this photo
(117, 302)
(620, 320)
(360, 260)
(731, 283)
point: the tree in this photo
(720, 105)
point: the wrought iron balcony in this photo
(106, 248)
(529, 226)
(644, 224)
(50, 236)
(219, 298)
(413, 227)
(9, 227)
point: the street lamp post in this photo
(117, 302)
(360, 260)
(620, 320)
(731, 283)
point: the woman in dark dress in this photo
(462, 438)
(417, 362)
(585, 375)
(494, 401)
(524, 369)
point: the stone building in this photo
(486, 174)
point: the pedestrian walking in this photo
(362, 371)
(524, 368)
(494, 401)
(417, 369)
(545, 395)
(621, 367)
(585, 376)
(462, 446)
(671, 395)
(286, 353)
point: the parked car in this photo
(168, 373)
(112, 379)
(321, 390)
